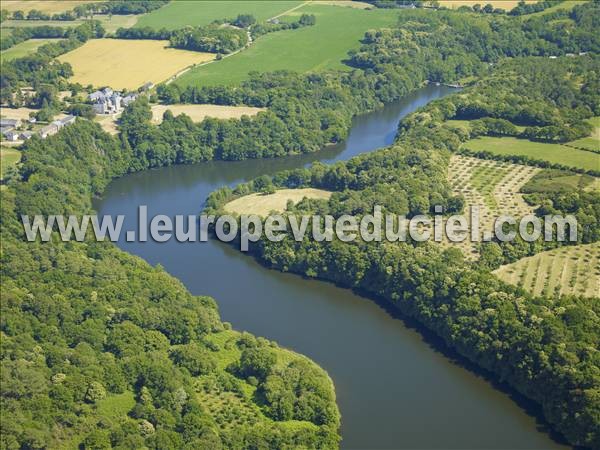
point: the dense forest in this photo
(546, 348)
(84, 323)
(211, 38)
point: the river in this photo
(396, 387)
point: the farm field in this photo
(179, 14)
(24, 48)
(45, 6)
(16, 113)
(323, 46)
(502, 4)
(199, 112)
(554, 153)
(110, 23)
(493, 186)
(343, 3)
(128, 64)
(551, 180)
(565, 270)
(9, 157)
(262, 204)
(591, 142)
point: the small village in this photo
(12, 128)
(105, 103)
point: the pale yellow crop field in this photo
(502, 4)
(262, 204)
(128, 64)
(571, 270)
(344, 3)
(45, 6)
(199, 112)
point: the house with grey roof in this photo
(13, 123)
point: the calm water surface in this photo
(395, 388)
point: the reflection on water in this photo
(394, 390)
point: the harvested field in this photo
(199, 112)
(344, 3)
(110, 23)
(502, 4)
(493, 186)
(567, 270)
(45, 6)
(128, 64)
(17, 113)
(262, 204)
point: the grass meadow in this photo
(23, 49)
(554, 153)
(321, 47)
(181, 13)
(9, 157)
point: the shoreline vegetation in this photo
(85, 322)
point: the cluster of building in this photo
(108, 101)
(11, 132)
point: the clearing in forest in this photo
(127, 63)
(9, 157)
(566, 270)
(263, 204)
(24, 48)
(493, 186)
(199, 112)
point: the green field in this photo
(9, 157)
(591, 142)
(569, 4)
(320, 47)
(110, 23)
(554, 153)
(551, 180)
(179, 14)
(24, 48)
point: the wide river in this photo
(396, 387)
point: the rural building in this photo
(68, 120)
(26, 135)
(128, 99)
(12, 135)
(12, 123)
(48, 130)
(109, 102)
